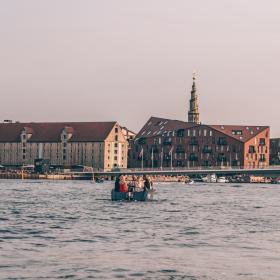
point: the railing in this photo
(202, 168)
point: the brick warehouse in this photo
(171, 143)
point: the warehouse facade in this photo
(100, 145)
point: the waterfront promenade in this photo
(273, 171)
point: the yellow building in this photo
(100, 145)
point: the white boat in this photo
(210, 178)
(222, 180)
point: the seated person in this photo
(123, 184)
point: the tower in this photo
(193, 114)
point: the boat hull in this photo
(129, 196)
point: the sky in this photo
(127, 60)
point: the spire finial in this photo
(194, 75)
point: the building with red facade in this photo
(170, 143)
(164, 143)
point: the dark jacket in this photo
(117, 184)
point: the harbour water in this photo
(71, 230)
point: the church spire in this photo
(193, 114)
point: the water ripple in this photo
(71, 230)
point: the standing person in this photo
(139, 184)
(123, 184)
(117, 184)
(133, 184)
(148, 184)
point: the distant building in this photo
(171, 143)
(101, 145)
(275, 151)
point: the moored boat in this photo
(222, 180)
(210, 178)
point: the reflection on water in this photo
(71, 229)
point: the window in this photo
(116, 130)
(116, 152)
(222, 141)
(116, 145)
(262, 157)
(116, 138)
(262, 141)
(180, 133)
(252, 149)
(115, 158)
(205, 132)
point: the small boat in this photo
(222, 180)
(210, 178)
(132, 196)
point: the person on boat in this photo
(132, 184)
(148, 183)
(123, 184)
(139, 184)
(117, 184)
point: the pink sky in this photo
(126, 60)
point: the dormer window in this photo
(237, 132)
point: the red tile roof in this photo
(51, 132)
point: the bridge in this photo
(273, 171)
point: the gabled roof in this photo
(158, 126)
(247, 132)
(51, 132)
